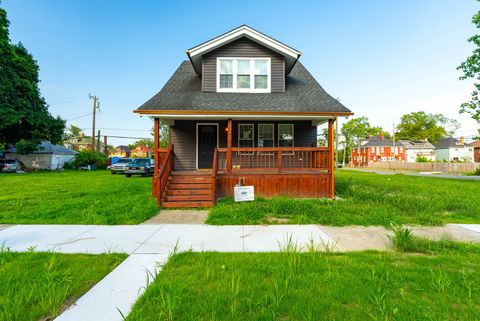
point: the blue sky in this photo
(380, 58)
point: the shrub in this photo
(88, 157)
(422, 159)
(477, 171)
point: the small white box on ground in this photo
(243, 193)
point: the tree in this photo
(420, 126)
(142, 142)
(23, 111)
(357, 129)
(471, 70)
(72, 131)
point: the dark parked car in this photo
(9, 165)
(119, 166)
(140, 166)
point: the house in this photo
(377, 149)
(82, 142)
(242, 110)
(121, 151)
(47, 157)
(453, 150)
(414, 149)
(476, 150)
(141, 151)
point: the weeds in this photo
(401, 238)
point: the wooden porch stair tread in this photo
(188, 189)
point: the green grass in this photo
(38, 286)
(74, 197)
(315, 286)
(367, 199)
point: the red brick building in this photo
(377, 149)
(476, 150)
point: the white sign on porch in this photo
(243, 193)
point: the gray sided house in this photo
(242, 108)
(453, 150)
(48, 156)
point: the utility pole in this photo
(96, 104)
(105, 147)
(98, 141)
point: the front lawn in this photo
(75, 197)
(315, 286)
(38, 286)
(367, 199)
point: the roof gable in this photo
(196, 53)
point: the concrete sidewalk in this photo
(149, 247)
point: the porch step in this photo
(188, 189)
(187, 204)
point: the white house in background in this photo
(417, 148)
(453, 150)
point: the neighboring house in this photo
(416, 149)
(47, 157)
(120, 151)
(141, 151)
(453, 150)
(82, 142)
(476, 150)
(242, 109)
(377, 149)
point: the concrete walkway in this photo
(149, 247)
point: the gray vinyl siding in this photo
(183, 137)
(247, 48)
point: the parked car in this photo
(140, 166)
(119, 166)
(9, 165)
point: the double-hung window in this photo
(250, 75)
(285, 135)
(265, 135)
(245, 135)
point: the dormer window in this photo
(250, 75)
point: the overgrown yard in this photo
(443, 285)
(367, 199)
(73, 197)
(38, 286)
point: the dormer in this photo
(243, 60)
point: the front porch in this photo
(301, 172)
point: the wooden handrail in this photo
(279, 158)
(164, 173)
(214, 176)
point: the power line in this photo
(112, 136)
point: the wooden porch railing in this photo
(280, 158)
(160, 179)
(214, 175)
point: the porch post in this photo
(229, 145)
(156, 165)
(331, 156)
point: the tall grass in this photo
(37, 286)
(366, 199)
(310, 286)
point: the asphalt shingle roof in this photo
(303, 94)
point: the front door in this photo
(207, 141)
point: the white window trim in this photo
(252, 76)
(293, 137)
(196, 140)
